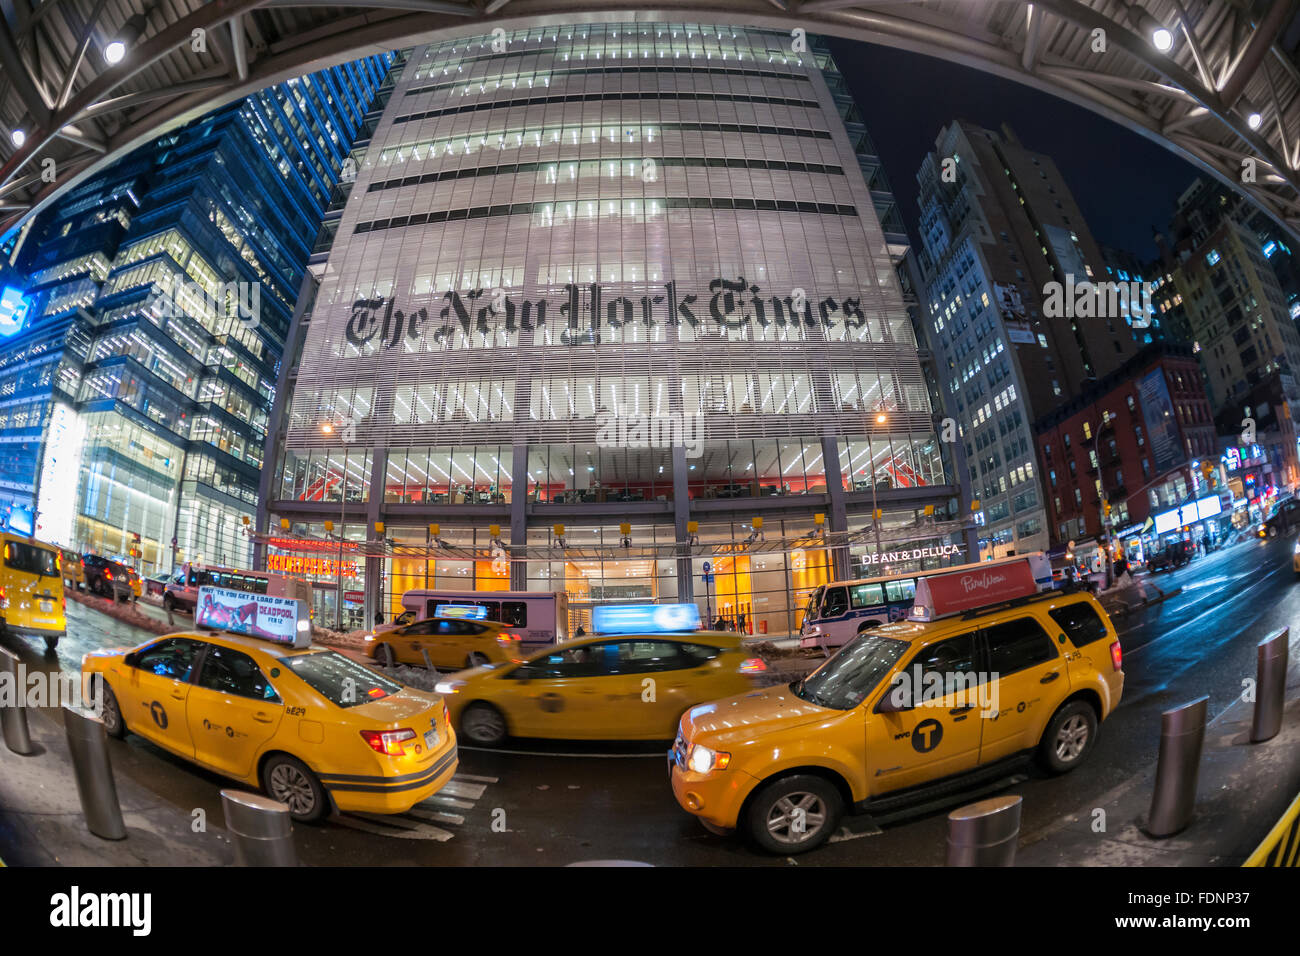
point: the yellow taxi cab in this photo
(74, 569)
(450, 643)
(905, 710)
(311, 727)
(608, 687)
(32, 602)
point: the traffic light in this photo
(1105, 508)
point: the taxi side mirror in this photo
(895, 701)
(130, 659)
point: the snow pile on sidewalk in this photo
(125, 612)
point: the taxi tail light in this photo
(1116, 655)
(753, 665)
(507, 639)
(388, 742)
(108, 574)
(4, 596)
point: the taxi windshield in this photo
(340, 680)
(847, 678)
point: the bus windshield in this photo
(814, 602)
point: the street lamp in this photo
(882, 419)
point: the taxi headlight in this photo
(448, 686)
(1297, 547)
(704, 760)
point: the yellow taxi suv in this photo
(451, 644)
(32, 602)
(908, 710)
(624, 687)
(312, 728)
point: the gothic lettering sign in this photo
(586, 310)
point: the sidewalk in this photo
(1242, 790)
(41, 822)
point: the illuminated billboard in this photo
(13, 311)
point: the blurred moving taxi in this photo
(611, 687)
(74, 569)
(309, 726)
(906, 710)
(32, 602)
(451, 644)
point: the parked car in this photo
(155, 587)
(109, 578)
(1174, 555)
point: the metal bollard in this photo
(1182, 734)
(261, 828)
(88, 743)
(388, 655)
(13, 718)
(984, 833)
(428, 662)
(1270, 686)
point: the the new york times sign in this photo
(732, 304)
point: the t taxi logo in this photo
(158, 714)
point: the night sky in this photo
(1124, 183)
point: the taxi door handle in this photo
(586, 692)
(961, 710)
(262, 718)
(1048, 678)
(177, 696)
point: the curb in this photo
(1123, 608)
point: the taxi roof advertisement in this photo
(946, 594)
(253, 615)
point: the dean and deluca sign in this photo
(587, 310)
(912, 554)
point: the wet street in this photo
(555, 803)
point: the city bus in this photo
(182, 591)
(839, 611)
(538, 617)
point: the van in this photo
(32, 602)
(182, 591)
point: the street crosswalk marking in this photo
(460, 793)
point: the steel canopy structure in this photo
(1226, 91)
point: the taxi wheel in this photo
(1069, 737)
(111, 710)
(794, 814)
(483, 724)
(290, 781)
(476, 660)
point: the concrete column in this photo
(681, 515)
(519, 517)
(838, 519)
(374, 512)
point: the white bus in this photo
(841, 610)
(182, 591)
(537, 617)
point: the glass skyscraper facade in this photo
(602, 296)
(134, 403)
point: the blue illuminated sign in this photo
(13, 311)
(645, 618)
(463, 612)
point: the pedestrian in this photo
(580, 632)
(379, 618)
(1205, 542)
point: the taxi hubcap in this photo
(796, 817)
(110, 709)
(1070, 739)
(483, 724)
(290, 786)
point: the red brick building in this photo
(1132, 438)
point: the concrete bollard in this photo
(13, 717)
(88, 743)
(1270, 686)
(985, 833)
(260, 828)
(1182, 735)
(388, 655)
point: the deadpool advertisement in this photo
(254, 615)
